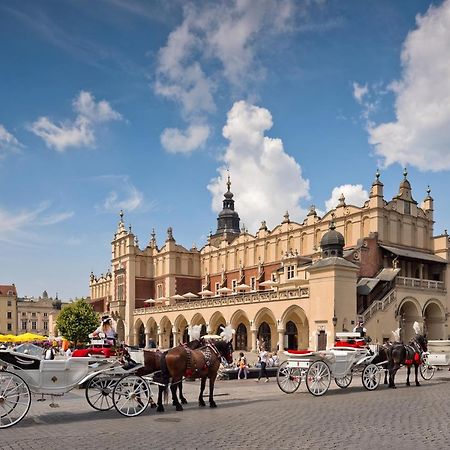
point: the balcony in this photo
(229, 300)
(417, 283)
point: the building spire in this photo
(228, 181)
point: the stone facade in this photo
(278, 285)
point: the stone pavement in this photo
(251, 415)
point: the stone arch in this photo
(408, 312)
(266, 328)
(165, 333)
(198, 319)
(434, 319)
(181, 326)
(216, 321)
(295, 324)
(240, 322)
(139, 333)
(151, 331)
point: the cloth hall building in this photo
(294, 286)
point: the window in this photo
(9, 326)
(33, 325)
(290, 272)
(45, 314)
(159, 289)
(33, 314)
(45, 326)
(217, 288)
(234, 285)
(24, 314)
(9, 315)
(120, 286)
(24, 325)
(253, 283)
(9, 303)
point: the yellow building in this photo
(8, 309)
(293, 286)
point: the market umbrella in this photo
(224, 290)
(190, 295)
(27, 337)
(268, 283)
(6, 338)
(206, 292)
(150, 301)
(177, 297)
(243, 287)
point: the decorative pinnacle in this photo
(377, 174)
(405, 173)
(428, 190)
(121, 215)
(153, 235)
(332, 225)
(228, 181)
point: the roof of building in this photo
(6, 288)
(414, 254)
(387, 274)
(332, 261)
(366, 285)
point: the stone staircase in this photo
(379, 305)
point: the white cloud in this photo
(19, 226)
(176, 141)
(265, 179)
(420, 134)
(359, 91)
(214, 42)
(354, 194)
(125, 195)
(81, 131)
(8, 142)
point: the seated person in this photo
(107, 330)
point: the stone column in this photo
(175, 336)
(281, 332)
(147, 338)
(160, 338)
(253, 330)
(208, 328)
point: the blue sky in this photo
(143, 105)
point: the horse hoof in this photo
(213, 405)
(179, 407)
(202, 404)
(183, 401)
(418, 384)
(152, 405)
(408, 384)
(160, 409)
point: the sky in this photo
(144, 105)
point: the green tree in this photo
(77, 320)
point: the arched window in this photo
(141, 336)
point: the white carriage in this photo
(349, 356)
(108, 383)
(438, 356)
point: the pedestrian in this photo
(49, 352)
(242, 364)
(263, 358)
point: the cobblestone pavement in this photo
(251, 415)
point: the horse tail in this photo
(166, 394)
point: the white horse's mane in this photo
(396, 335)
(227, 333)
(194, 332)
(417, 328)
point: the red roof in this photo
(5, 289)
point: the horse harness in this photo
(207, 351)
(413, 353)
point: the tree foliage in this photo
(77, 320)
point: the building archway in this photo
(296, 328)
(266, 328)
(408, 313)
(217, 320)
(434, 319)
(241, 337)
(151, 331)
(120, 328)
(265, 336)
(291, 336)
(181, 327)
(139, 332)
(166, 335)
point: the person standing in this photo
(263, 358)
(242, 364)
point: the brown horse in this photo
(181, 361)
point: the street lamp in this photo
(334, 320)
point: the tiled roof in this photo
(5, 288)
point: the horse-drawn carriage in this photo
(350, 355)
(437, 357)
(109, 382)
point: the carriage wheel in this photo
(288, 378)
(427, 371)
(371, 377)
(15, 399)
(131, 395)
(344, 382)
(318, 378)
(99, 392)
